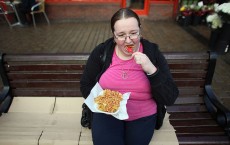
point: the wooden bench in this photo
(197, 115)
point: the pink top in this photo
(140, 103)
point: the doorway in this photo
(141, 7)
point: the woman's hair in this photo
(123, 13)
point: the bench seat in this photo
(58, 123)
(197, 115)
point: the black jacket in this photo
(164, 90)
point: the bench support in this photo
(217, 110)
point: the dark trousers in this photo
(25, 9)
(107, 130)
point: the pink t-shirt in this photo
(140, 103)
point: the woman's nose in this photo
(127, 39)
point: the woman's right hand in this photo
(144, 61)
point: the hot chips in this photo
(109, 101)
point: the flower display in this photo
(224, 11)
(192, 13)
(186, 10)
(215, 21)
(199, 9)
(225, 8)
(220, 15)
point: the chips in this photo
(109, 101)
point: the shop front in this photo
(99, 10)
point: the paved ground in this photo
(83, 37)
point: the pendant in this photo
(124, 75)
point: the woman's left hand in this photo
(143, 60)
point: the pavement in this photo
(82, 37)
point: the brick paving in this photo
(82, 37)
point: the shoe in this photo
(24, 25)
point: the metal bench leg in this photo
(47, 19)
(34, 23)
(8, 21)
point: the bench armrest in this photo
(6, 87)
(221, 113)
(214, 106)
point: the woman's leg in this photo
(107, 130)
(23, 10)
(140, 131)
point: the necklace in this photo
(124, 72)
(124, 75)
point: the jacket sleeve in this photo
(92, 69)
(163, 87)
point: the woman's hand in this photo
(146, 64)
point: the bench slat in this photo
(190, 115)
(61, 84)
(201, 140)
(200, 130)
(68, 66)
(52, 92)
(45, 67)
(45, 57)
(190, 65)
(189, 75)
(186, 91)
(191, 123)
(57, 73)
(189, 100)
(188, 82)
(186, 108)
(45, 76)
(190, 55)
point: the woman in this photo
(128, 63)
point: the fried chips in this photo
(109, 101)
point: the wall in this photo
(160, 11)
(77, 11)
(100, 11)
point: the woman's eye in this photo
(121, 35)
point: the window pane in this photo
(135, 4)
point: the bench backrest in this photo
(45, 74)
(59, 75)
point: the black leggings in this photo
(107, 130)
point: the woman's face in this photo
(126, 35)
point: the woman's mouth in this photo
(129, 48)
